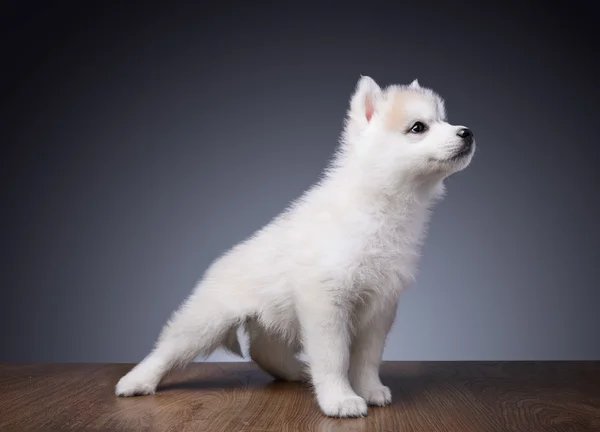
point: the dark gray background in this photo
(142, 142)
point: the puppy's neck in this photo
(356, 185)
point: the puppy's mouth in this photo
(464, 151)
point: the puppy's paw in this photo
(343, 406)
(133, 384)
(379, 395)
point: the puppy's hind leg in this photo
(198, 327)
(274, 355)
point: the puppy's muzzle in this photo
(466, 136)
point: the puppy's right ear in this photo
(365, 101)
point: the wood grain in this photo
(429, 396)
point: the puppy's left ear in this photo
(366, 100)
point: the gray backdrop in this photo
(140, 144)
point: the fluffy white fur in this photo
(324, 277)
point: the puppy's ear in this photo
(366, 99)
(415, 84)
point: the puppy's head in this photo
(403, 128)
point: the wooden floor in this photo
(432, 396)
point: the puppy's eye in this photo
(418, 127)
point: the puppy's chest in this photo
(390, 253)
(394, 239)
(390, 249)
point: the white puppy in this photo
(324, 277)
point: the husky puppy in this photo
(323, 278)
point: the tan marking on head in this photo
(397, 117)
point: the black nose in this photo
(467, 137)
(465, 133)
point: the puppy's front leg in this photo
(366, 354)
(326, 334)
